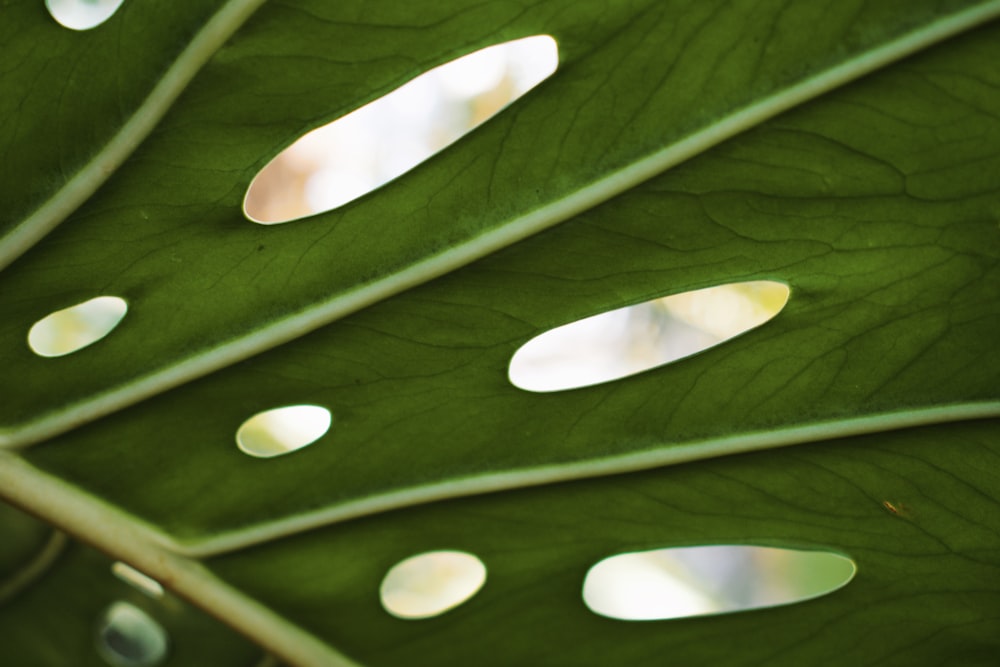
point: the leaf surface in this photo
(849, 150)
(889, 247)
(937, 550)
(208, 288)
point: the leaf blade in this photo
(415, 247)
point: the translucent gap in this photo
(66, 331)
(698, 581)
(429, 584)
(630, 340)
(283, 430)
(82, 14)
(137, 579)
(355, 154)
(128, 637)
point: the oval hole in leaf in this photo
(431, 583)
(283, 430)
(82, 14)
(70, 329)
(137, 579)
(128, 637)
(355, 154)
(698, 581)
(630, 340)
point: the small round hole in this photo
(70, 329)
(128, 637)
(283, 430)
(431, 583)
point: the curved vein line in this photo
(34, 569)
(588, 469)
(95, 172)
(132, 541)
(290, 328)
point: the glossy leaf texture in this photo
(212, 288)
(419, 383)
(848, 151)
(932, 560)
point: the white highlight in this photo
(431, 583)
(283, 430)
(697, 581)
(82, 14)
(359, 152)
(137, 579)
(630, 340)
(70, 329)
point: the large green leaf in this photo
(714, 70)
(926, 592)
(872, 195)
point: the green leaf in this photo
(59, 591)
(680, 145)
(714, 73)
(926, 591)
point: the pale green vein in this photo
(94, 173)
(670, 454)
(297, 325)
(123, 537)
(34, 569)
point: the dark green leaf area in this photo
(894, 308)
(21, 538)
(54, 622)
(916, 510)
(166, 231)
(60, 106)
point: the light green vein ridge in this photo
(95, 172)
(323, 313)
(123, 537)
(549, 474)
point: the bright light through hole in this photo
(70, 329)
(431, 583)
(626, 341)
(697, 581)
(128, 637)
(137, 579)
(369, 147)
(283, 430)
(82, 14)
